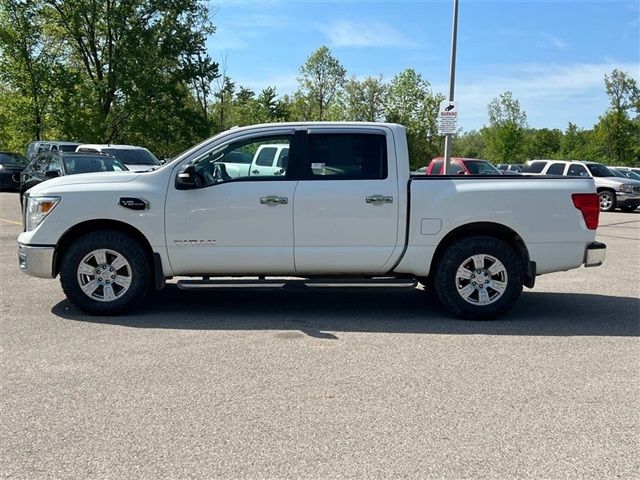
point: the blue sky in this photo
(552, 55)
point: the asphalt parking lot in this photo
(324, 384)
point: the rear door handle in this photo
(379, 199)
(273, 200)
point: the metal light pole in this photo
(448, 139)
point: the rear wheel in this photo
(479, 278)
(105, 273)
(607, 201)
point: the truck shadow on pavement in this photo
(316, 313)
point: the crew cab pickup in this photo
(343, 210)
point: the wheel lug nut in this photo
(480, 285)
(113, 276)
(473, 283)
(111, 269)
(108, 282)
(486, 281)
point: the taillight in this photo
(589, 205)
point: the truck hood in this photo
(84, 179)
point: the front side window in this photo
(243, 160)
(577, 170)
(346, 156)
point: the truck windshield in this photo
(132, 156)
(599, 170)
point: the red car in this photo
(463, 166)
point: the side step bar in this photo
(309, 283)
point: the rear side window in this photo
(347, 156)
(556, 169)
(534, 167)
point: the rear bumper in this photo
(594, 254)
(36, 261)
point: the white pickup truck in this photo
(343, 210)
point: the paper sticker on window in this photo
(317, 166)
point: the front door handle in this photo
(256, 171)
(379, 199)
(274, 200)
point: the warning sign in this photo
(448, 117)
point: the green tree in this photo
(544, 143)
(134, 54)
(362, 101)
(505, 135)
(411, 103)
(469, 145)
(29, 61)
(321, 77)
(617, 133)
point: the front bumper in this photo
(624, 199)
(36, 261)
(594, 254)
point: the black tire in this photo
(137, 271)
(607, 201)
(450, 289)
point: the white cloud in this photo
(344, 33)
(547, 39)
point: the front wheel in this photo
(479, 278)
(105, 273)
(607, 201)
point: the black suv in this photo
(54, 164)
(11, 164)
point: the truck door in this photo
(346, 203)
(226, 224)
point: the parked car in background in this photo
(134, 158)
(420, 171)
(614, 192)
(510, 167)
(632, 173)
(40, 146)
(55, 164)
(464, 166)
(11, 165)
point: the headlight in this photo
(1, 166)
(625, 187)
(37, 210)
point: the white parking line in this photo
(10, 221)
